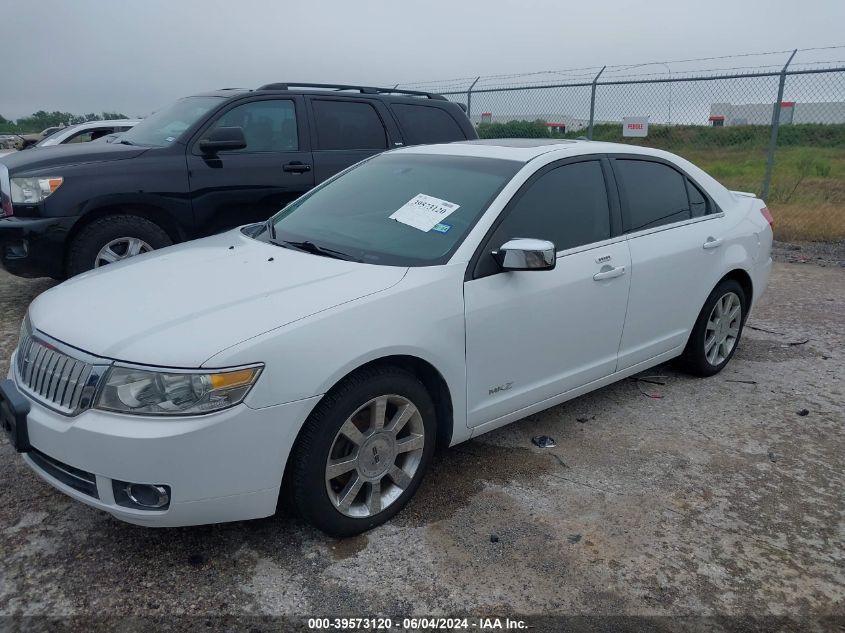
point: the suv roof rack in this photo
(370, 90)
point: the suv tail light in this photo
(768, 215)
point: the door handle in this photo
(296, 167)
(610, 274)
(712, 242)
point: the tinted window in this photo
(352, 213)
(425, 124)
(567, 205)
(697, 201)
(348, 125)
(656, 194)
(269, 126)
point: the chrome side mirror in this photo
(524, 253)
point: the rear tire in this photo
(717, 330)
(363, 451)
(126, 233)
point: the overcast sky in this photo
(134, 57)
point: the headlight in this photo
(34, 190)
(161, 392)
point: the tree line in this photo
(41, 120)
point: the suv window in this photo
(269, 125)
(347, 125)
(656, 194)
(426, 124)
(567, 205)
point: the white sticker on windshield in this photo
(424, 212)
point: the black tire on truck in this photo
(112, 238)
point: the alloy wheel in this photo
(121, 248)
(374, 456)
(722, 328)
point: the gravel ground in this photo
(716, 497)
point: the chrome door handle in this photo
(610, 274)
(713, 242)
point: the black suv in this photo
(204, 164)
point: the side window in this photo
(87, 136)
(427, 124)
(348, 125)
(655, 192)
(269, 126)
(567, 205)
(697, 201)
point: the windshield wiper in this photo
(311, 247)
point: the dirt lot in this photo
(720, 497)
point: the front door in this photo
(532, 335)
(250, 185)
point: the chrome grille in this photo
(54, 377)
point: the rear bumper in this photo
(34, 247)
(762, 270)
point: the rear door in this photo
(674, 235)
(250, 185)
(346, 131)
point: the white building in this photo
(724, 114)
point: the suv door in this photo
(344, 132)
(249, 185)
(532, 335)
(674, 233)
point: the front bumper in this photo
(34, 247)
(220, 467)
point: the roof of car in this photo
(524, 150)
(106, 122)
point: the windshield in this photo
(165, 126)
(396, 209)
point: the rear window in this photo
(427, 124)
(656, 194)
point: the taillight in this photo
(768, 215)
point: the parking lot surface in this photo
(664, 496)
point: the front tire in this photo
(113, 238)
(717, 330)
(363, 451)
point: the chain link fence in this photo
(777, 130)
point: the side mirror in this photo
(523, 253)
(223, 139)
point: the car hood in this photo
(179, 306)
(36, 158)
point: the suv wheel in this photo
(113, 238)
(363, 451)
(717, 331)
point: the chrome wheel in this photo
(722, 328)
(121, 248)
(374, 456)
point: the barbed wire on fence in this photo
(623, 71)
(775, 127)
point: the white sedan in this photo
(87, 132)
(424, 296)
